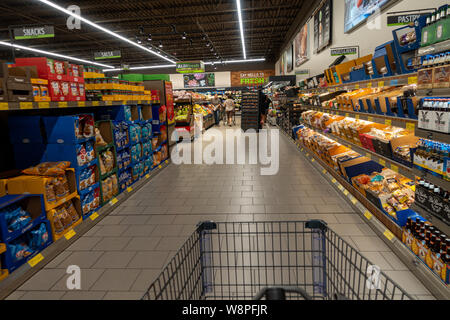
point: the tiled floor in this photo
(124, 253)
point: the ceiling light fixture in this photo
(57, 7)
(47, 53)
(206, 63)
(241, 27)
(160, 44)
(149, 37)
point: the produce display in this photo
(182, 113)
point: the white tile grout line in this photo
(428, 278)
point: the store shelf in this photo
(385, 162)
(404, 123)
(11, 106)
(380, 224)
(399, 80)
(27, 270)
(436, 221)
(429, 177)
(434, 48)
(432, 135)
(435, 92)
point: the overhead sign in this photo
(250, 78)
(102, 55)
(346, 51)
(199, 80)
(34, 32)
(403, 19)
(190, 67)
(302, 72)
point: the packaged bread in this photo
(48, 169)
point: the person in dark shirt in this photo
(263, 107)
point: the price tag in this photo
(357, 117)
(4, 106)
(62, 104)
(167, 161)
(43, 105)
(97, 103)
(346, 114)
(70, 234)
(370, 119)
(159, 167)
(369, 85)
(354, 200)
(129, 189)
(388, 122)
(301, 149)
(139, 102)
(346, 192)
(334, 180)
(394, 82)
(26, 105)
(113, 201)
(94, 216)
(394, 168)
(82, 103)
(410, 126)
(380, 84)
(147, 176)
(412, 80)
(382, 162)
(312, 160)
(356, 86)
(340, 187)
(34, 261)
(368, 155)
(368, 215)
(324, 171)
(108, 103)
(388, 235)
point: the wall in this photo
(366, 38)
(223, 80)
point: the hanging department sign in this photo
(250, 78)
(403, 19)
(347, 51)
(102, 55)
(34, 32)
(190, 67)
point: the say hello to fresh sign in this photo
(34, 32)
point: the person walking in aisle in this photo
(263, 107)
(229, 108)
(215, 101)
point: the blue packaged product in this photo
(90, 154)
(119, 160)
(19, 251)
(38, 237)
(17, 219)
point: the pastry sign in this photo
(34, 32)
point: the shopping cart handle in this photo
(279, 293)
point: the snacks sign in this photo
(190, 67)
(39, 32)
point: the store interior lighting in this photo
(212, 63)
(241, 27)
(57, 7)
(47, 53)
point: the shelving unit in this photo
(432, 135)
(10, 106)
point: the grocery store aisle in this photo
(125, 252)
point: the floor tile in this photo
(84, 295)
(114, 259)
(123, 295)
(111, 244)
(43, 280)
(83, 259)
(148, 260)
(116, 280)
(145, 279)
(88, 278)
(110, 231)
(43, 295)
(139, 231)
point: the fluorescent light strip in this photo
(47, 53)
(241, 26)
(51, 4)
(172, 66)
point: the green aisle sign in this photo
(190, 67)
(102, 55)
(34, 32)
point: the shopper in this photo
(229, 108)
(215, 101)
(263, 107)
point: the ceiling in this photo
(266, 23)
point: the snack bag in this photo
(115, 185)
(60, 188)
(102, 166)
(96, 202)
(81, 89)
(88, 128)
(48, 169)
(50, 191)
(74, 89)
(51, 66)
(85, 205)
(57, 222)
(44, 91)
(17, 218)
(66, 219)
(56, 88)
(38, 237)
(83, 180)
(81, 155)
(36, 91)
(90, 154)
(99, 139)
(19, 251)
(91, 175)
(127, 112)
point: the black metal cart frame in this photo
(237, 261)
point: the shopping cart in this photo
(272, 260)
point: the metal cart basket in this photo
(223, 261)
